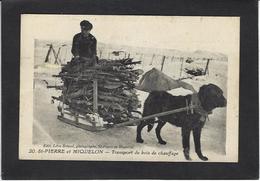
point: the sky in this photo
(217, 34)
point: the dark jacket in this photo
(84, 46)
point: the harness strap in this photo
(199, 109)
(189, 106)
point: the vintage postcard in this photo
(129, 88)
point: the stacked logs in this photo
(194, 71)
(117, 98)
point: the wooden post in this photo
(95, 96)
(95, 93)
(48, 53)
(128, 55)
(56, 55)
(207, 67)
(152, 59)
(182, 59)
(172, 58)
(163, 60)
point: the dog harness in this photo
(198, 108)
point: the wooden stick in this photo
(163, 59)
(154, 115)
(48, 53)
(55, 86)
(95, 93)
(182, 59)
(95, 96)
(207, 66)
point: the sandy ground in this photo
(48, 129)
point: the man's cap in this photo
(86, 25)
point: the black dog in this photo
(210, 97)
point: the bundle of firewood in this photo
(195, 71)
(117, 99)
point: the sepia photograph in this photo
(129, 88)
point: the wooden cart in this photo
(93, 125)
(90, 124)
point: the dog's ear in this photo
(215, 88)
(202, 92)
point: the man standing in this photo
(84, 44)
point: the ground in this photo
(48, 129)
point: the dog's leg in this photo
(196, 136)
(139, 132)
(186, 142)
(158, 132)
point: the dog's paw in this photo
(139, 140)
(186, 153)
(187, 157)
(204, 158)
(162, 142)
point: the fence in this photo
(61, 53)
